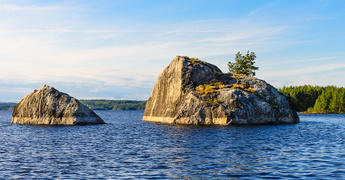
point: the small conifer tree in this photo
(243, 64)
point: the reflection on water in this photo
(126, 147)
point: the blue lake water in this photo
(128, 148)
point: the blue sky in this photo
(115, 49)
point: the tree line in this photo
(7, 106)
(114, 104)
(316, 99)
(97, 105)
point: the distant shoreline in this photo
(96, 104)
(115, 105)
(7, 106)
(101, 104)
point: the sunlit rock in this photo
(190, 91)
(50, 107)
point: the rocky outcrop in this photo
(190, 91)
(48, 106)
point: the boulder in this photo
(48, 106)
(191, 91)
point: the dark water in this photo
(126, 147)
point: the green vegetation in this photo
(332, 100)
(216, 100)
(7, 106)
(243, 64)
(213, 88)
(238, 76)
(193, 60)
(114, 104)
(316, 99)
(302, 97)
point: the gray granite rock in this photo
(196, 92)
(48, 106)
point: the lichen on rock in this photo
(191, 91)
(48, 106)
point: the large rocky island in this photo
(191, 91)
(48, 106)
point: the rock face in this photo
(190, 91)
(50, 107)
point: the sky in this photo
(115, 49)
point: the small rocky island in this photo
(48, 106)
(191, 91)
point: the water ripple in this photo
(127, 148)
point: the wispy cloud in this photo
(132, 60)
(303, 70)
(308, 60)
(11, 7)
(58, 44)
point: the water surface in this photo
(126, 147)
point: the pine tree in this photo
(243, 64)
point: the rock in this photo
(196, 92)
(50, 107)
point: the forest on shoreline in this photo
(316, 99)
(7, 105)
(101, 104)
(98, 104)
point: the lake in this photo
(128, 148)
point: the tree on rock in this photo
(243, 64)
